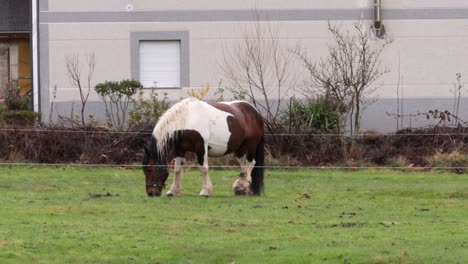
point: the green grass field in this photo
(54, 215)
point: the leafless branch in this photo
(74, 68)
(348, 73)
(257, 70)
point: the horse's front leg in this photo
(178, 172)
(242, 185)
(207, 187)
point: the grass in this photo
(53, 215)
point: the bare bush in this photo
(60, 144)
(74, 73)
(257, 69)
(346, 74)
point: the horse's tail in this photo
(258, 170)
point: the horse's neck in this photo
(172, 121)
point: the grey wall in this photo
(428, 42)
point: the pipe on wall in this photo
(377, 28)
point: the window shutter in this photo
(160, 63)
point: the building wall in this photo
(112, 5)
(428, 47)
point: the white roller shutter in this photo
(160, 63)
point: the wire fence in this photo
(105, 131)
(148, 132)
(232, 167)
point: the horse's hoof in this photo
(172, 194)
(241, 190)
(205, 194)
(240, 193)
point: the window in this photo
(160, 63)
(161, 58)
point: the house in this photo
(15, 55)
(180, 44)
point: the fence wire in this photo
(148, 132)
(223, 167)
(220, 167)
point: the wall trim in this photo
(183, 36)
(249, 15)
(43, 5)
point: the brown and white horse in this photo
(211, 130)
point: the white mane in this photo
(172, 120)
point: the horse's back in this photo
(225, 125)
(211, 124)
(247, 116)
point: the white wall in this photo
(425, 52)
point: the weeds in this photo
(397, 162)
(453, 160)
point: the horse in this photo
(208, 130)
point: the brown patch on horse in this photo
(245, 125)
(237, 134)
(188, 140)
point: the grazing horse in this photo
(213, 130)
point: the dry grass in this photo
(452, 159)
(399, 161)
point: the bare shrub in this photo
(346, 75)
(59, 144)
(257, 69)
(74, 73)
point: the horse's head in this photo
(156, 172)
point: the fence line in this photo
(280, 167)
(268, 134)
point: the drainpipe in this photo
(377, 28)
(34, 44)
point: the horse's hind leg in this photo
(207, 187)
(178, 172)
(242, 185)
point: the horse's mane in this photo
(171, 121)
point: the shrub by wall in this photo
(58, 144)
(19, 117)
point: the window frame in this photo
(182, 36)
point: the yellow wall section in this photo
(24, 66)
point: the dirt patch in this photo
(98, 195)
(349, 224)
